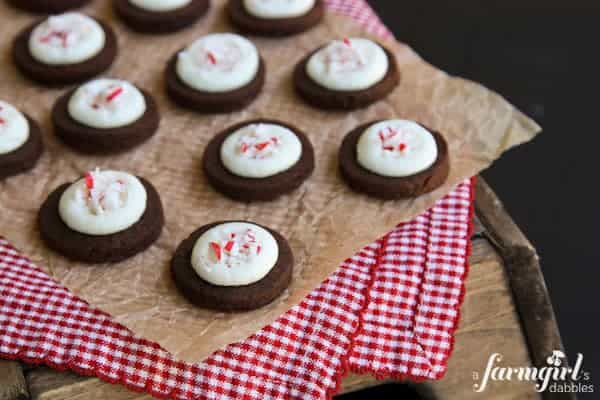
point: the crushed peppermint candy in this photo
(235, 248)
(393, 140)
(61, 37)
(341, 56)
(258, 142)
(107, 96)
(103, 193)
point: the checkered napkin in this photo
(391, 310)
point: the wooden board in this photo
(506, 310)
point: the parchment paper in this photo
(324, 221)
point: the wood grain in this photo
(12, 382)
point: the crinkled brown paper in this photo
(324, 221)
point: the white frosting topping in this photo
(234, 254)
(218, 62)
(107, 103)
(349, 64)
(272, 9)
(103, 203)
(14, 128)
(260, 150)
(160, 5)
(396, 148)
(68, 38)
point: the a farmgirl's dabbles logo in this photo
(557, 376)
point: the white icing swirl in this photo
(234, 254)
(349, 64)
(260, 150)
(103, 203)
(14, 128)
(218, 62)
(68, 38)
(160, 5)
(396, 148)
(106, 104)
(273, 9)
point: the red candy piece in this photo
(258, 249)
(261, 146)
(89, 180)
(402, 146)
(114, 94)
(217, 249)
(2, 121)
(211, 57)
(62, 35)
(229, 246)
(347, 42)
(245, 147)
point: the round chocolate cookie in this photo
(100, 249)
(212, 102)
(248, 23)
(389, 188)
(25, 157)
(56, 75)
(231, 298)
(147, 21)
(324, 98)
(256, 189)
(47, 6)
(87, 139)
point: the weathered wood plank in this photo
(12, 382)
(525, 279)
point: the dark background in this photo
(541, 55)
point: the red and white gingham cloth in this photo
(391, 310)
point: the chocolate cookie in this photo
(389, 188)
(231, 298)
(103, 141)
(256, 189)
(100, 249)
(251, 24)
(324, 98)
(56, 75)
(47, 6)
(212, 102)
(147, 21)
(25, 157)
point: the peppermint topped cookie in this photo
(218, 62)
(233, 266)
(20, 141)
(14, 128)
(66, 39)
(261, 150)
(234, 254)
(103, 202)
(104, 216)
(105, 116)
(393, 159)
(107, 103)
(160, 16)
(220, 72)
(396, 148)
(346, 74)
(275, 17)
(349, 64)
(65, 48)
(258, 160)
